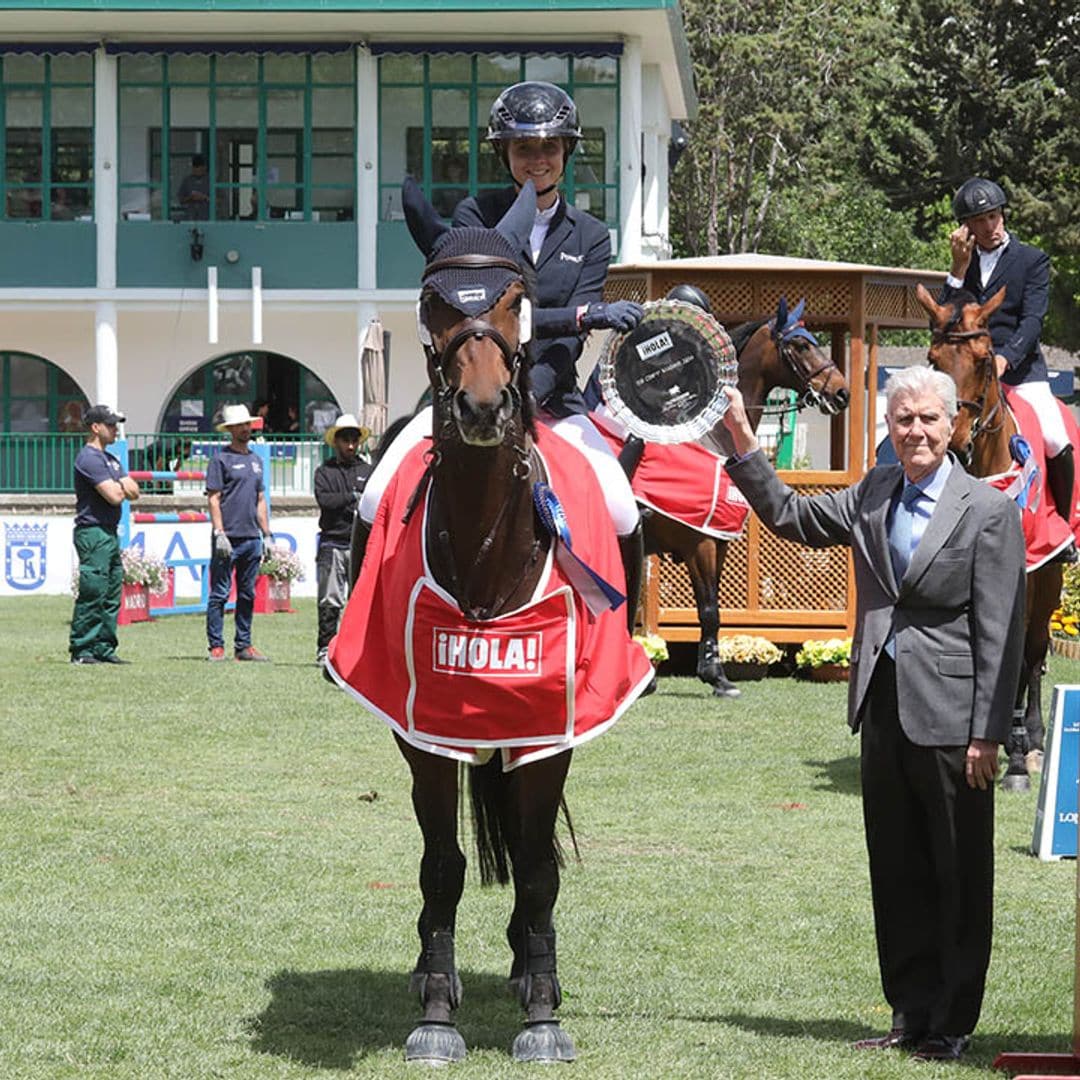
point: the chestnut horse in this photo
(960, 346)
(772, 354)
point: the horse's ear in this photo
(781, 313)
(929, 305)
(992, 304)
(423, 219)
(796, 315)
(517, 223)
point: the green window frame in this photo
(452, 160)
(47, 143)
(258, 168)
(36, 395)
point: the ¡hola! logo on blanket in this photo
(487, 653)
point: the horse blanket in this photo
(1045, 534)
(683, 481)
(532, 682)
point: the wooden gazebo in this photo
(771, 587)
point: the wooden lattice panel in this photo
(885, 302)
(825, 297)
(797, 578)
(727, 296)
(627, 287)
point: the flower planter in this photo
(166, 599)
(825, 673)
(745, 671)
(134, 604)
(271, 595)
(1067, 647)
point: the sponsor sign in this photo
(1056, 815)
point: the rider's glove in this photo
(222, 546)
(618, 315)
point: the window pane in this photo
(284, 109)
(603, 69)
(238, 107)
(593, 201)
(402, 124)
(237, 69)
(72, 108)
(140, 69)
(22, 68)
(73, 68)
(70, 204)
(550, 69)
(332, 108)
(489, 166)
(332, 170)
(454, 68)
(140, 113)
(493, 68)
(29, 415)
(189, 69)
(405, 68)
(23, 154)
(594, 161)
(189, 107)
(24, 202)
(332, 67)
(290, 69)
(23, 108)
(73, 155)
(449, 148)
(28, 376)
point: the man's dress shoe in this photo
(941, 1048)
(897, 1039)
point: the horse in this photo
(487, 549)
(772, 353)
(960, 346)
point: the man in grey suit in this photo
(935, 662)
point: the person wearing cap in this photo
(339, 483)
(985, 258)
(241, 526)
(101, 486)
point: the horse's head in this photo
(474, 318)
(960, 345)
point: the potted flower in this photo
(746, 657)
(655, 647)
(1065, 622)
(143, 574)
(279, 568)
(825, 661)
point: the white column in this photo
(367, 167)
(365, 312)
(630, 127)
(256, 305)
(106, 167)
(654, 238)
(107, 380)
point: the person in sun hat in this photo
(241, 526)
(101, 486)
(339, 483)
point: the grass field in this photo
(210, 871)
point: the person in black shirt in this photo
(339, 484)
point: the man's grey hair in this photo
(917, 379)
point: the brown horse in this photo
(960, 346)
(772, 353)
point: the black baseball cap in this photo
(102, 414)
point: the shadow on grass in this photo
(840, 775)
(329, 1019)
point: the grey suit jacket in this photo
(958, 613)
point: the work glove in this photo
(618, 315)
(222, 546)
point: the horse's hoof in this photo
(1016, 782)
(434, 1044)
(544, 1042)
(725, 689)
(1034, 761)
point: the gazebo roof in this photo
(757, 262)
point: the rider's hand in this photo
(618, 315)
(222, 546)
(962, 243)
(737, 423)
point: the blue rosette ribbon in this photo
(598, 594)
(1025, 488)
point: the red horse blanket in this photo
(532, 682)
(1044, 531)
(686, 482)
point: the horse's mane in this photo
(744, 332)
(392, 431)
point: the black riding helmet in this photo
(690, 294)
(533, 110)
(977, 196)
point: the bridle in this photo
(981, 424)
(783, 340)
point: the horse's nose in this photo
(483, 421)
(843, 397)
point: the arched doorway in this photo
(295, 400)
(38, 396)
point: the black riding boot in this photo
(632, 550)
(630, 454)
(1060, 474)
(328, 624)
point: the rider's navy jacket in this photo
(1015, 326)
(570, 272)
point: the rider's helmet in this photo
(533, 110)
(977, 196)
(690, 294)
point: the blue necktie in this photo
(901, 531)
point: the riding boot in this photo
(632, 550)
(1060, 475)
(630, 454)
(328, 624)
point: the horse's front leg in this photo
(442, 878)
(534, 793)
(704, 565)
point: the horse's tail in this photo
(489, 793)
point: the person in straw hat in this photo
(241, 523)
(339, 483)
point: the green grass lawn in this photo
(211, 871)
